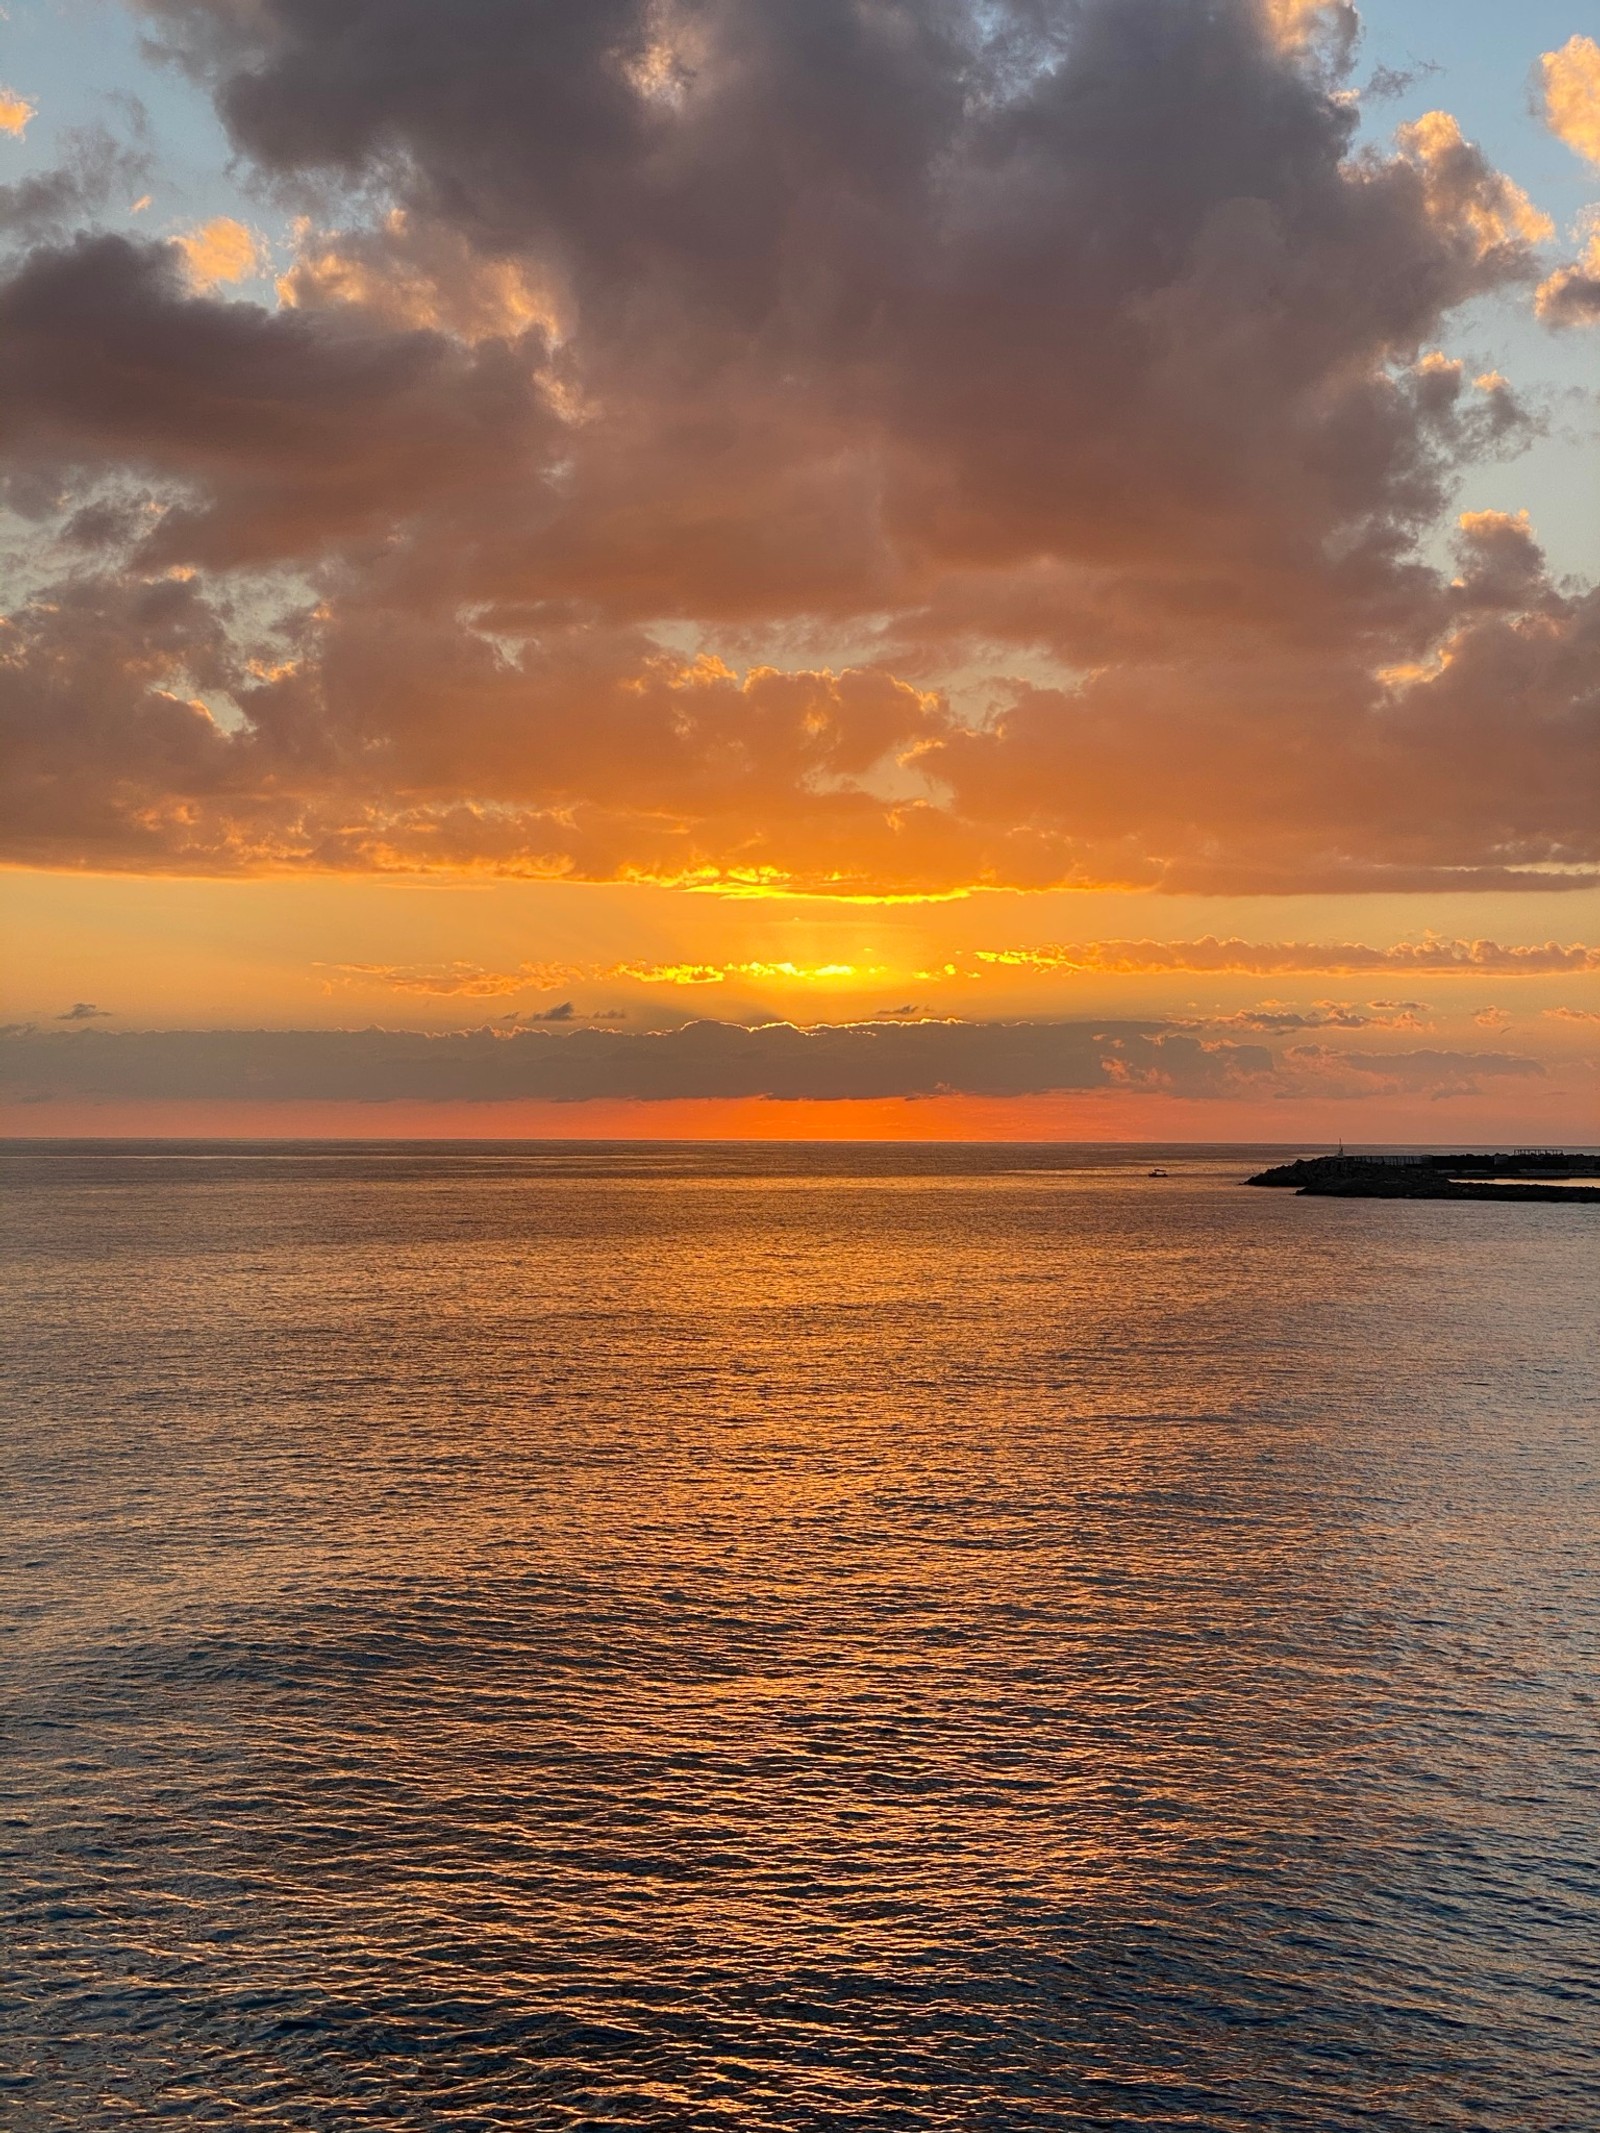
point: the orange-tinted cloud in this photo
(219, 251)
(458, 980)
(1571, 80)
(471, 981)
(1306, 958)
(409, 273)
(15, 112)
(1295, 22)
(1464, 193)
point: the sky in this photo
(922, 568)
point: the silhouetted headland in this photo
(1525, 1174)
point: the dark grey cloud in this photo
(703, 1059)
(102, 754)
(1386, 82)
(279, 432)
(94, 166)
(1281, 1021)
(1099, 284)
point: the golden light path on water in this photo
(803, 1637)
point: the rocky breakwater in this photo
(1525, 1174)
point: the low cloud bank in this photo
(708, 1059)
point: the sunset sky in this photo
(801, 566)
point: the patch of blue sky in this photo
(84, 63)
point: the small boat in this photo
(1157, 1173)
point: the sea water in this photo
(793, 1637)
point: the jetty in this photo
(1523, 1174)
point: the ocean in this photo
(806, 1637)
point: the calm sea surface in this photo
(793, 1638)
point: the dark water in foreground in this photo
(778, 1638)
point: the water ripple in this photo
(791, 1639)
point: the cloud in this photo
(1465, 193)
(1571, 80)
(1571, 1014)
(265, 436)
(456, 980)
(84, 1011)
(219, 251)
(48, 202)
(565, 1012)
(1277, 958)
(15, 112)
(1298, 22)
(673, 404)
(761, 972)
(473, 981)
(1311, 1069)
(1431, 955)
(1571, 295)
(409, 273)
(708, 1059)
(1395, 81)
(1571, 84)
(1273, 1020)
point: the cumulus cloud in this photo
(625, 495)
(1571, 295)
(863, 1060)
(84, 1011)
(1571, 84)
(1571, 81)
(1297, 22)
(266, 435)
(1465, 192)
